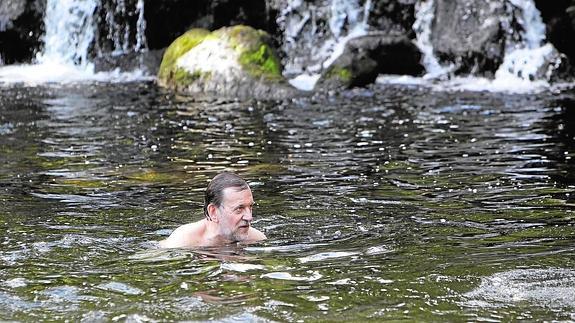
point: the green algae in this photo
(177, 48)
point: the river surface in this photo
(387, 203)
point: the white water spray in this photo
(70, 31)
(348, 19)
(424, 14)
(70, 34)
(524, 60)
(527, 64)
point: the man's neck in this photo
(212, 236)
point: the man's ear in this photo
(212, 212)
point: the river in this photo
(395, 202)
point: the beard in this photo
(241, 232)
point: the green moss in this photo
(152, 176)
(183, 77)
(261, 62)
(256, 55)
(339, 72)
(179, 47)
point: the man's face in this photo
(235, 213)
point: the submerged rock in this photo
(146, 62)
(235, 62)
(365, 57)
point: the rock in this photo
(543, 63)
(167, 19)
(470, 34)
(393, 16)
(365, 57)
(233, 62)
(147, 62)
(21, 27)
(309, 30)
(10, 11)
(559, 18)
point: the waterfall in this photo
(123, 34)
(69, 33)
(310, 46)
(523, 59)
(424, 13)
(72, 36)
(527, 63)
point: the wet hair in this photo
(215, 190)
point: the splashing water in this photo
(422, 27)
(345, 16)
(70, 34)
(76, 17)
(528, 63)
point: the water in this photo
(389, 203)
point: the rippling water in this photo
(390, 203)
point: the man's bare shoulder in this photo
(256, 235)
(187, 235)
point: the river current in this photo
(396, 202)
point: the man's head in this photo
(228, 201)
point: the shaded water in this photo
(387, 203)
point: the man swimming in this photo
(228, 204)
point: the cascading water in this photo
(71, 35)
(70, 31)
(523, 60)
(527, 63)
(123, 35)
(301, 24)
(422, 27)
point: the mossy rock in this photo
(365, 57)
(180, 46)
(237, 61)
(254, 50)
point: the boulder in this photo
(365, 57)
(233, 62)
(559, 18)
(309, 30)
(470, 34)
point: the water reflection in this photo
(386, 203)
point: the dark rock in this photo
(168, 19)
(146, 61)
(21, 28)
(559, 18)
(470, 34)
(365, 57)
(393, 16)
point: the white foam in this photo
(511, 85)
(305, 82)
(63, 73)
